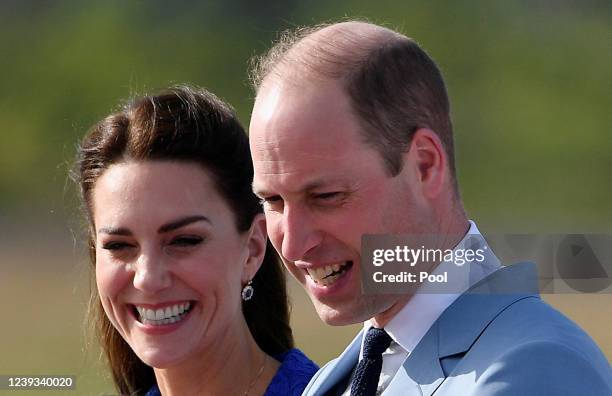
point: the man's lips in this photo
(326, 275)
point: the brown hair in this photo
(394, 87)
(192, 125)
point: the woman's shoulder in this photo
(293, 375)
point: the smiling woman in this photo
(190, 298)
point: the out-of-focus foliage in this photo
(530, 84)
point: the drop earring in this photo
(248, 291)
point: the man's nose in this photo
(300, 233)
(151, 273)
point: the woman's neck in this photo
(228, 366)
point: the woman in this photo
(190, 298)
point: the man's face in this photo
(323, 188)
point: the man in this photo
(351, 135)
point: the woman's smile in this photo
(168, 313)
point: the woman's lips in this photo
(156, 315)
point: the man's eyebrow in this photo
(261, 191)
(257, 191)
(182, 222)
(173, 225)
(313, 185)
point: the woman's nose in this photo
(151, 274)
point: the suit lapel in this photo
(421, 373)
(460, 325)
(463, 322)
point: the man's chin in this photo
(349, 314)
(337, 316)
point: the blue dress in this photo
(292, 376)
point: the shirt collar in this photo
(411, 323)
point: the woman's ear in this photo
(256, 247)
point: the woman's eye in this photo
(186, 241)
(116, 246)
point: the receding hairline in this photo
(328, 51)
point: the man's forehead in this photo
(282, 105)
(297, 183)
(303, 139)
(295, 148)
(279, 170)
(303, 156)
(297, 130)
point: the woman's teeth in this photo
(327, 275)
(162, 316)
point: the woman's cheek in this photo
(111, 279)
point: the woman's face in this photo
(170, 263)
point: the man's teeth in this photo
(170, 314)
(323, 275)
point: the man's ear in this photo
(256, 247)
(428, 157)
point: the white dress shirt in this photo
(413, 321)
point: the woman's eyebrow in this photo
(115, 231)
(182, 222)
(173, 225)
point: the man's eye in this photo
(274, 201)
(328, 195)
(329, 199)
(186, 241)
(273, 198)
(116, 246)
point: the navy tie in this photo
(365, 380)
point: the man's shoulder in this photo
(531, 368)
(531, 320)
(502, 313)
(545, 367)
(530, 348)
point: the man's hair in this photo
(394, 87)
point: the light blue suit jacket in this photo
(496, 339)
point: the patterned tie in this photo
(365, 380)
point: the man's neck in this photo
(383, 318)
(451, 234)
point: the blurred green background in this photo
(530, 84)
